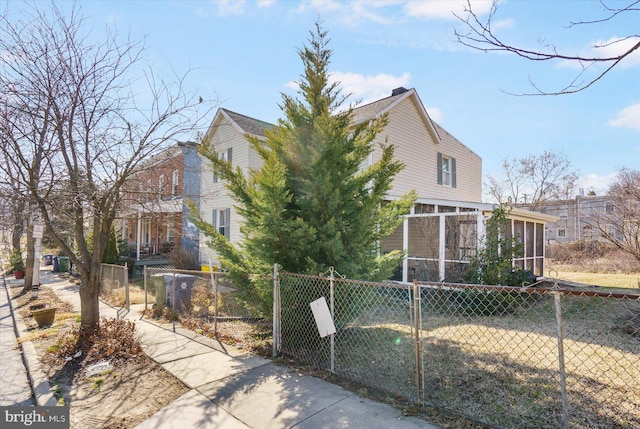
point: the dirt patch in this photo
(127, 389)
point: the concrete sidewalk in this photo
(231, 388)
(14, 383)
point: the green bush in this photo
(17, 263)
(480, 302)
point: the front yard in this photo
(120, 394)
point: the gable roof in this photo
(246, 124)
(380, 107)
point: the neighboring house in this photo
(227, 133)
(154, 217)
(442, 230)
(578, 218)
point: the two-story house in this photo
(447, 221)
(154, 217)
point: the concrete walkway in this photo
(14, 383)
(231, 388)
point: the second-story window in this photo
(225, 156)
(161, 186)
(148, 196)
(446, 170)
(174, 183)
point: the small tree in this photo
(111, 252)
(533, 179)
(617, 217)
(493, 263)
(312, 205)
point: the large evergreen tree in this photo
(312, 204)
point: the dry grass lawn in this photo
(627, 281)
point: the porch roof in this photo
(173, 205)
(488, 208)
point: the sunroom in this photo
(441, 237)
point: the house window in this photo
(224, 156)
(609, 208)
(446, 170)
(161, 186)
(174, 183)
(171, 232)
(148, 190)
(221, 221)
(562, 233)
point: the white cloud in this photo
(629, 117)
(503, 23)
(445, 9)
(598, 184)
(612, 47)
(230, 7)
(368, 88)
(355, 13)
(320, 6)
(616, 46)
(435, 113)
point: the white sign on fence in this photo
(323, 317)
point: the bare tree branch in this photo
(533, 180)
(480, 36)
(75, 129)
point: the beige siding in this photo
(417, 148)
(215, 195)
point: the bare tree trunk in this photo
(18, 216)
(28, 276)
(89, 303)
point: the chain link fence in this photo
(114, 279)
(533, 357)
(209, 303)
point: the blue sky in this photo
(244, 53)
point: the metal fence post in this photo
(126, 285)
(216, 310)
(563, 384)
(146, 301)
(276, 312)
(417, 320)
(333, 316)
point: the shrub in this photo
(115, 340)
(17, 263)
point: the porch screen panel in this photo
(530, 240)
(539, 266)
(424, 236)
